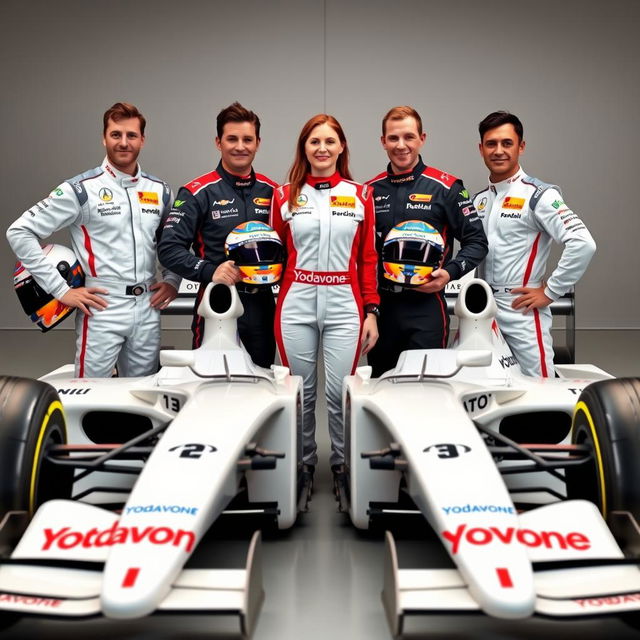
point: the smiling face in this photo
(123, 141)
(501, 149)
(322, 149)
(403, 142)
(238, 146)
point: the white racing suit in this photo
(521, 217)
(113, 219)
(330, 275)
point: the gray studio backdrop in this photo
(567, 68)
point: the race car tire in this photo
(607, 418)
(31, 421)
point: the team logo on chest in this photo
(343, 202)
(148, 197)
(513, 203)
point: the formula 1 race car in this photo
(538, 515)
(109, 485)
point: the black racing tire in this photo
(607, 419)
(31, 421)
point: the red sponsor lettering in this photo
(32, 601)
(66, 539)
(527, 537)
(628, 598)
(322, 277)
(130, 577)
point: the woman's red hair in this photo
(301, 168)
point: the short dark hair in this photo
(497, 119)
(236, 113)
(122, 111)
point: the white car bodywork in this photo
(218, 406)
(429, 423)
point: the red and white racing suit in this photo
(521, 217)
(330, 275)
(113, 219)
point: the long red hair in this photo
(301, 167)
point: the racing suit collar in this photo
(503, 185)
(123, 179)
(237, 182)
(325, 182)
(407, 176)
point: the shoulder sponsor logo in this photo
(420, 197)
(479, 508)
(343, 202)
(465, 194)
(513, 203)
(467, 211)
(106, 195)
(148, 197)
(162, 508)
(480, 536)
(557, 204)
(57, 192)
(66, 538)
(73, 392)
(482, 204)
(193, 450)
(447, 450)
(262, 202)
(178, 203)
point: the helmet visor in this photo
(256, 253)
(412, 251)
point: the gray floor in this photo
(323, 578)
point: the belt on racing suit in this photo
(118, 287)
(506, 288)
(321, 277)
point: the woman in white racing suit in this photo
(329, 291)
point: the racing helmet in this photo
(257, 251)
(411, 251)
(40, 306)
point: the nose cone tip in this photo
(124, 607)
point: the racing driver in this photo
(114, 213)
(206, 210)
(417, 318)
(522, 216)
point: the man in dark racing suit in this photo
(409, 190)
(206, 210)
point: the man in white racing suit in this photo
(113, 213)
(521, 217)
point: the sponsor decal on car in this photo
(162, 508)
(480, 536)
(148, 197)
(66, 538)
(73, 392)
(476, 403)
(608, 601)
(478, 508)
(31, 601)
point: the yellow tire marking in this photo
(36, 456)
(581, 406)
